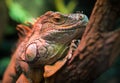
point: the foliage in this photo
(17, 12)
(25, 10)
(3, 64)
(20, 11)
(60, 6)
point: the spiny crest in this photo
(24, 29)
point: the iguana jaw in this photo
(64, 36)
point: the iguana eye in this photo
(58, 19)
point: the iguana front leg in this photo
(50, 70)
(73, 46)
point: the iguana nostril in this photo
(31, 52)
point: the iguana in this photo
(44, 47)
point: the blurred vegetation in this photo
(65, 8)
(13, 12)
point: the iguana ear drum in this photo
(31, 52)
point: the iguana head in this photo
(59, 28)
(51, 34)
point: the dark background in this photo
(14, 12)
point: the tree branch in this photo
(99, 47)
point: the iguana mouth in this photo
(71, 29)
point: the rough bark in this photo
(99, 47)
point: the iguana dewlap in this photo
(45, 44)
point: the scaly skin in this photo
(44, 44)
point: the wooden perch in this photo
(99, 47)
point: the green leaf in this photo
(17, 13)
